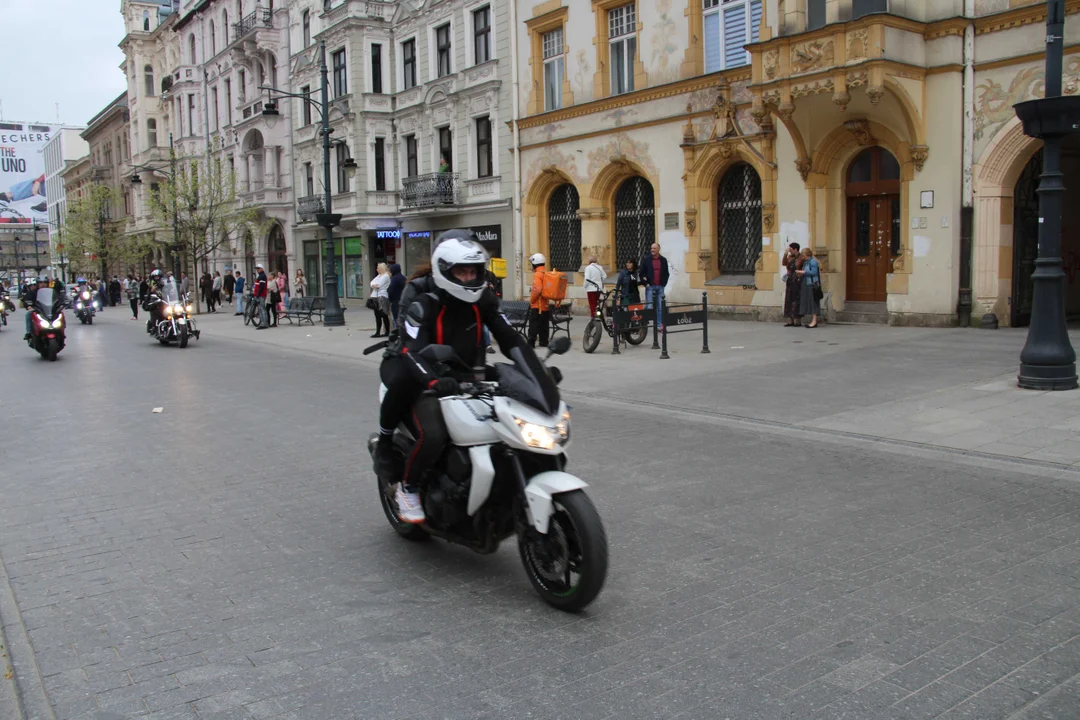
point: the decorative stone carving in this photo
(771, 64)
(768, 217)
(724, 112)
(898, 261)
(861, 130)
(810, 56)
(759, 264)
(858, 45)
(803, 165)
(726, 150)
(688, 135)
(785, 110)
(919, 153)
(822, 256)
(841, 100)
(875, 93)
(812, 88)
(704, 260)
(592, 213)
(691, 220)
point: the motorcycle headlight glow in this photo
(178, 309)
(191, 308)
(542, 436)
(78, 306)
(86, 296)
(96, 304)
(168, 310)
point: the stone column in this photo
(242, 172)
(270, 153)
(993, 255)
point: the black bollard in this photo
(705, 323)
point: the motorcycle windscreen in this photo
(528, 381)
(170, 294)
(47, 302)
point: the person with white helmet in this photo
(450, 306)
(539, 311)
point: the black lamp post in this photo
(171, 174)
(1048, 361)
(335, 313)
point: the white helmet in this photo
(537, 259)
(457, 248)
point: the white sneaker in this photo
(409, 508)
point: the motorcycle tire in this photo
(637, 335)
(594, 331)
(577, 523)
(90, 320)
(51, 350)
(404, 529)
(183, 336)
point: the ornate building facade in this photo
(879, 133)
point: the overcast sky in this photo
(60, 51)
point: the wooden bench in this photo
(516, 313)
(302, 308)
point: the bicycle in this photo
(635, 333)
(251, 311)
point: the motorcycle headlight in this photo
(58, 322)
(191, 308)
(86, 296)
(168, 310)
(78, 306)
(95, 304)
(542, 436)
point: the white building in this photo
(64, 148)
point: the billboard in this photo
(22, 171)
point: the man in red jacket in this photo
(259, 292)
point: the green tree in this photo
(93, 239)
(202, 200)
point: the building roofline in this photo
(119, 102)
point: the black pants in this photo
(380, 321)
(271, 309)
(539, 324)
(134, 308)
(209, 300)
(405, 402)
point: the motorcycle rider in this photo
(29, 298)
(153, 303)
(451, 306)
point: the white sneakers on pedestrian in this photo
(409, 508)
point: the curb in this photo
(20, 665)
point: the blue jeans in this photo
(239, 303)
(655, 299)
(262, 311)
(29, 321)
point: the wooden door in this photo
(870, 244)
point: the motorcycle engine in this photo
(449, 492)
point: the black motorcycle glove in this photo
(446, 386)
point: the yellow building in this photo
(879, 133)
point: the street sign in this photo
(677, 318)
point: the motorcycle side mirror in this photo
(559, 346)
(437, 353)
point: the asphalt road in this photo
(228, 558)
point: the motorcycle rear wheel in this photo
(593, 332)
(183, 336)
(577, 537)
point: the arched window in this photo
(148, 77)
(564, 229)
(739, 222)
(213, 40)
(277, 257)
(191, 49)
(151, 133)
(635, 220)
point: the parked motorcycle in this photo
(86, 305)
(502, 474)
(47, 324)
(173, 315)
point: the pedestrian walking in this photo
(283, 293)
(228, 285)
(115, 292)
(655, 273)
(626, 286)
(103, 293)
(811, 293)
(594, 282)
(144, 289)
(539, 312)
(792, 263)
(238, 290)
(394, 290)
(273, 299)
(380, 294)
(215, 290)
(260, 291)
(133, 296)
(300, 284)
(206, 285)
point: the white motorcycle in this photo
(502, 474)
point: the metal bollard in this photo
(614, 336)
(705, 325)
(663, 353)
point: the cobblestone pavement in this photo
(227, 558)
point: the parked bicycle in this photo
(634, 333)
(252, 316)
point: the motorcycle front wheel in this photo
(593, 332)
(183, 336)
(567, 567)
(53, 348)
(90, 320)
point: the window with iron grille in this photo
(564, 229)
(553, 69)
(408, 64)
(729, 25)
(340, 84)
(622, 47)
(481, 35)
(380, 164)
(739, 223)
(411, 169)
(635, 220)
(483, 147)
(442, 49)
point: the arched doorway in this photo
(873, 212)
(635, 220)
(277, 258)
(564, 229)
(739, 221)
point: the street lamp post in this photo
(1048, 361)
(37, 252)
(334, 313)
(136, 180)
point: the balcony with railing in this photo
(251, 21)
(308, 207)
(429, 191)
